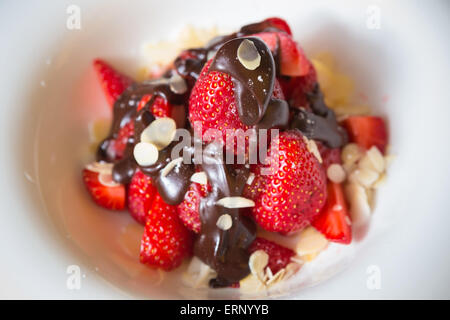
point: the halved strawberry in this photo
(160, 107)
(279, 256)
(166, 241)
(141, 194)
(118, 145)
(367, 131)
(296, 89)
(293, 61)
(334, 220)
(188, 209)
(109, 197)
(113, 82)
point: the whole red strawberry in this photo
(279, 256)
(188, 209)
(166, 241)
(212, 104)
(293, 193)
(141, 194)
(113, 82)
(111, 197)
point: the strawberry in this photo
(166, 241)
(367, 131)
(293, 193)
(212, 103)
(293, 61)
(334, 221)
(160, 107)
(112, 81)
(109, 197)
(118, 145)
(296, 88)
(141, 193)
(279, 256)
(279, 24)
(188, 209)
(329, 155)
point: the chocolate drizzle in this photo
(321, 123)
(226, 251)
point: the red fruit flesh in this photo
(367, 131)
(113, 82)
(292, 194)
(112, 198)
(188, 209)
(279, 24)
(334, 221)
(160, 107)
(166, 241)
(279, 256)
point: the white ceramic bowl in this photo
(50, 94)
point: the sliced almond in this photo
(251, 284)
(169, 167)
(373, 160)
(351, 153)
(224, 222)
(235, 202)
(277, 277)
(160, 132)
(199, 177)
(257, 262)
(248, 55)
(100, 167)
(312, 147)
(291, 269)
(365, 177)
(310, 241)
(146, 154)
(336, 173)
(380, 182)
(359, 204)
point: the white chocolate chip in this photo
(169, 167)
(177, 84)
(160, 132)
(359, 204)
(199, 177)
(336, 173)
(235, 202)
(224, 222)
(310, 241)
(257, 262)
(248, 55)
(312, 147)
(145, 153)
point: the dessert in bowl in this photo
(241, 169)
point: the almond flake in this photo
(359, 204)
(310, 241)
(160, 132)
(257, 262)
(373, 160)
(248, 55)
(235, 202)
(224, 222)
(277, 277)
(351, 153)
(365, 177)
(312, 147)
